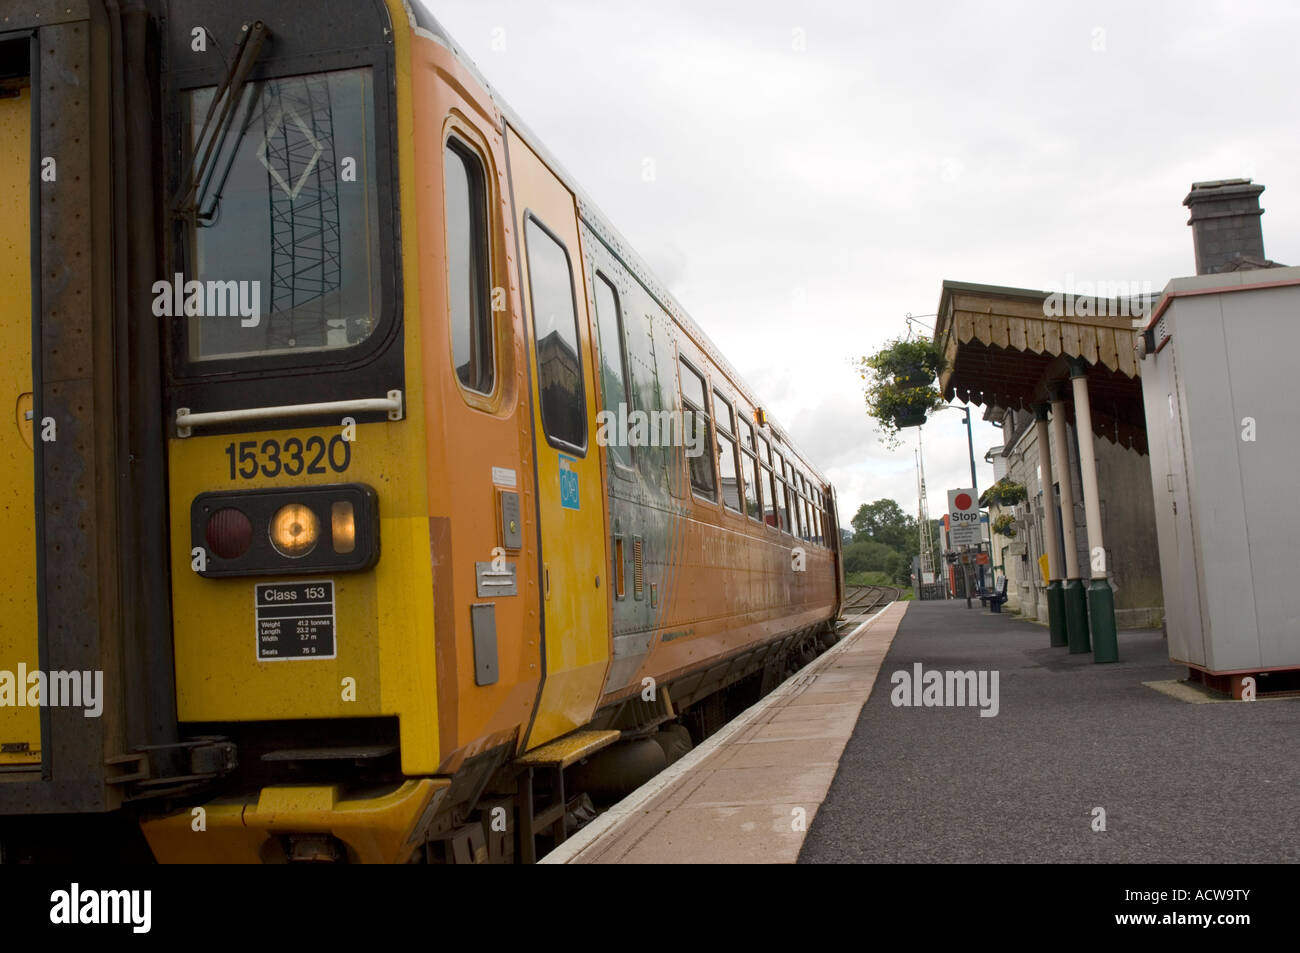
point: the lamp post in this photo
(970, 447)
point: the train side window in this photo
(695, 422)
(555, 324)
(769, 484)
(801, 529)
(746, 432)
(779, 490)
(728, 457)
(802, 505)
(749, 468)
(613, 365)
(797, 505)
(468, 268)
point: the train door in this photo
(571, 502)
(20, 727)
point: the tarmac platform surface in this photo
(828, 769)
(1180, 782)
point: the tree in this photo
(884, 539)
(885, 522)
(878, 520)
(898, 569)
(864, 555)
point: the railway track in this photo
(860, 600)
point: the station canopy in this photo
(1005, 347)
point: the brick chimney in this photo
(1225, 225)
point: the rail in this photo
(859, 600)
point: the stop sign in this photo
(963, 518)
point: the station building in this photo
(1060, 373)
(1031, 359)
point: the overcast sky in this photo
(821, 167)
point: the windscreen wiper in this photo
(227, 97)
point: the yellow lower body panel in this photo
(377, 830)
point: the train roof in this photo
(425, 24)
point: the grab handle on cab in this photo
(187, 421)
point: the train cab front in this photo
(297, 493)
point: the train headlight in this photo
(294, 530)
(274, 531)
(343, 527)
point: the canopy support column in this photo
(1101, 600)
(1055, 590)
(1076, 606)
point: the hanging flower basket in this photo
(1005, 525)
(900, 389)
(1007, 492)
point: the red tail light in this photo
(229, 533)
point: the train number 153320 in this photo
(291, 458)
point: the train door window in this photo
(555, 323)
(728, 458)
(749, 469)
(613, 366)
(468, 268)
(696, 431)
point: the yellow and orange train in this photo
(400, 508)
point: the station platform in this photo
(828, 769)
(749, 793)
